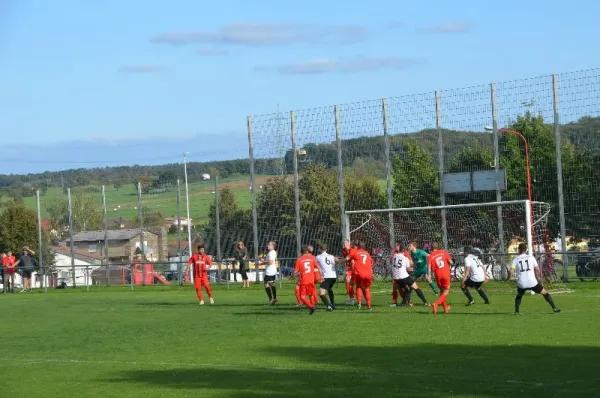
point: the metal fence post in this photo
(218, 228)
(440, 142)
(559, 177)
(388, 171)
(179, 254)
(296, 186)
(253, 197)
(141, 221)
(340, 167)
(501, 242)
(105, 249)
(40, 241)
(70, 209)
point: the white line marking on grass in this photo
(38, 361)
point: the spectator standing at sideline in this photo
(8, 268)
(241, 257)
(26, 265)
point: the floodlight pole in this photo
(528, 171)
(187, 205)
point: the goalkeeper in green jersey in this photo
(419, 258)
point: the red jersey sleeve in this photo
(297, 267)
(208, 260)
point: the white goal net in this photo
(493, 229)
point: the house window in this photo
(92, 248)
(137, 244)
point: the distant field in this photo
(123, 202)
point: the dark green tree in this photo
(415, 177)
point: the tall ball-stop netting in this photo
(478, 225)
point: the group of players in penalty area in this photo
(408, 267)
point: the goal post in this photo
(470, 224)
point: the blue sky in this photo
(86, 84)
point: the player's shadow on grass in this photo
(412, 370)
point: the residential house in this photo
(174, 222)
(123, 243)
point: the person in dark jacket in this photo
(241, 257)
(26, 266)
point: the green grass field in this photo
(157, 342)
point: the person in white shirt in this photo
(270, 263)
(528, 278)
(475, 276)
(403, 281)
(326, 263)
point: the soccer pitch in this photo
(158, 342)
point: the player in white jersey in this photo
(328, 277)
(528, 278)
(475, 276)
(271, 272)
(401, 269)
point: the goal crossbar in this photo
(445, 207)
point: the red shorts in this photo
(361, 282)
(199, 282)
(10, 271)
(443, 282)
(307, 290)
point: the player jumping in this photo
(305, 269)
(528, 278)
(419, 258)
(475, 276)
(346, 253)
(362, 273)
(439, 263)
(401, 269)
(201, 263)
(329, 276)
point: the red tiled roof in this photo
(79, 254)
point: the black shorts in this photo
(536, 289)
(26, 273)
(471, 283)
(402, 283)
(328, 283)
(270, 278)
(244, 274)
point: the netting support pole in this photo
(438, 126)
(388, 171)
(218, 229)
(253, 196)
(141, 220)
(340, 167)
(70, 209)
(559, 177)
(296, 186)
(105, 246)
(529, 226)
(40, 241)
(501, 243)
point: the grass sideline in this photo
(157, 342)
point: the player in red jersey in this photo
(346, 252)
(362, 273)
(305, 269)
(439, 262)
(395, 290)
(201, 263)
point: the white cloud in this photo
(265, 34)
(453, 27)
(208, 50)
(140, 69)
(328, 65)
